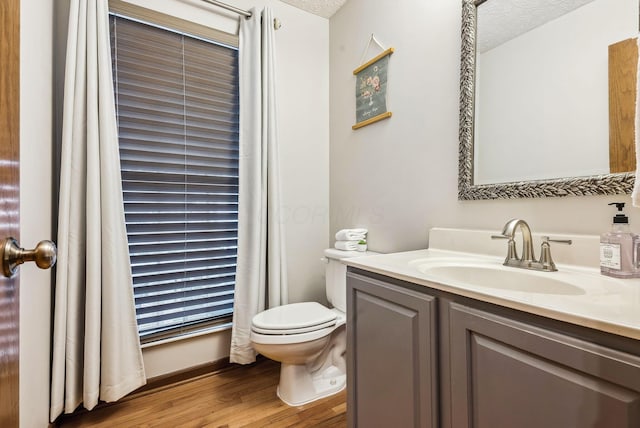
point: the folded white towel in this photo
(351, 234)
(635, 195)
(346, 245)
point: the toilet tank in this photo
(336, 275)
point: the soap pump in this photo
(617, 247)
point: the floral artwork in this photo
(371, 91)
(369, 85)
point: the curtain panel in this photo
(261, 277)
(96, 348)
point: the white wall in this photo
(559, 119)
(176, 355)
(36, 29)
(399, 177)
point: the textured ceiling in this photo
(324, 8)
(503, 20)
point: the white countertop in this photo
(607, 304)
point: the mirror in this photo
(534, 115)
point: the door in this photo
(391, 356)
(9, 205)
(506, 373)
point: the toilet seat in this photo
(294, 323)
(293, 330)
(291, 339)
(294, 318)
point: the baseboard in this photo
(180, 376)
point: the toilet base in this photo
(297, 386)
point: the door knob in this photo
(12, 255)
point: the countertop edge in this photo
(555, 314)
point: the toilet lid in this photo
(294, 317)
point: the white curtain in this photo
(96, 348)
(261, 278)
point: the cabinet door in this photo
(391, 363)
(507, 374)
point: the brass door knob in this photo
(12, 255)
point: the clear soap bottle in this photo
(617, 247)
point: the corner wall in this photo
(36, 143)
(399, 177)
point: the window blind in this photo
(177, 111)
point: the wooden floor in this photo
(242, 396)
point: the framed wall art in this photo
(371, 89)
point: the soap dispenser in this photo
(617, 255)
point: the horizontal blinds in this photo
(177, 110)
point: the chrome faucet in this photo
(528, 260)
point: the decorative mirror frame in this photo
(606, 184)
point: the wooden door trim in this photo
(9, 206)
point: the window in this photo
(177, 111)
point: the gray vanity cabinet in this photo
(506, 373)
(421, 357)
(392, 371)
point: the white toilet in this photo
(309, 339)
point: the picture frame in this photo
(371, 90)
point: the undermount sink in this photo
(498, 277)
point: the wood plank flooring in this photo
(241, 396)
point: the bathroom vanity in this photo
(438, 351)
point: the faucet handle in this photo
(500, 237)
(545, 253)
(546, 240)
